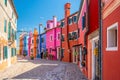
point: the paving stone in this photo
(39, 69)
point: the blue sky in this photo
(33, 12)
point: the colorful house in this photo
(8, 28)
(43, 43)
(88, 23)
(35, 43)
(29, 42)
(53, 38)
(69, 36)
(111, 40)
(25, 44)
(82, 26)
(21, 43)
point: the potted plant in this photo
(31, 57)
(24, 54)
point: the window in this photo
(48, 25)
(51, 38)
(32, 41)
(62, 24)
(84, 21)
(5, 25)
(58, 36)
(9, 30)
(62, 52)
(74, 34)
(70, 21)
(62, 38)
(70, 36)
(75, 18)
(50, 50)
(112, 37)
(5, 1)
(42, 40)
(5, 56)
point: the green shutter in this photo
(6, 52)
(5, 25)
(9, 30)
(15, 35)
(5, 1)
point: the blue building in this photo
(25, 45)
(41, 44)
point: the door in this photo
(95, 59)
(58, 53)
(9, 56)
(80, 56)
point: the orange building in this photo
(34, 44)
(69, 36)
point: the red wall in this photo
(93, 15)
(111, 59)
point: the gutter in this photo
(100, 38)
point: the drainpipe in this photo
(100, 38)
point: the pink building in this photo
(53, 38)
(29, 42)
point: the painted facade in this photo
(88, 40)
(53, 37)
(111, 40)
(25, 44)
(8, 22)
(35, 44)
(43, 43)
(82, 25)
(29, 42)
(69, 36)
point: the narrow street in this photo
(42, 70)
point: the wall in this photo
(111, 59)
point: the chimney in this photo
(67, 9)
(54, 21)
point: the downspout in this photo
(61, 44)
(100, 37)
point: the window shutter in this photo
(5, 26)
(9, 30)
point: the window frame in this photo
(115, 25)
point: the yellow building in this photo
(8, 28)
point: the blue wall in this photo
(25, 49)
(41, 44)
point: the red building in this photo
(88, 23)
(111, 39)
(69, 32)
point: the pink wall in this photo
(29, 43)
(52, 31)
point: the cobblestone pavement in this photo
(42, 70)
